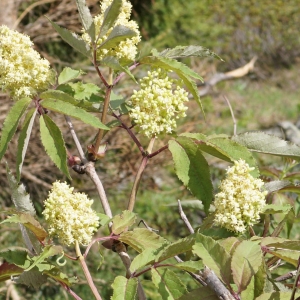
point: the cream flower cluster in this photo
(126, 49)
(69, 215)
(241, 200)
(22, 70)
(156, 106)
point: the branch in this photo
(237, 73)
(185, 219)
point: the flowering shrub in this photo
(23, 73)
(69, 215)
(155, 107)
(235, 267)
(241, 200)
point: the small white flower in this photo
(240, 200)
(69, 215)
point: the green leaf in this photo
(68, 74)
(58, 276)
(110, 16)
(19, 258)
(124, 289)
(276, 185)
(178, 247)
(229, 244)
(20, 197)
(265, 143)
(205, 292)
(188, 51)
(72, 39)
(246, 260)
(53, 143)
(33, 279)
(84, 91)
(118, 34)
(143, 259)
(168, 284)
(190, 266)
(29, 222)
(73, 111)
(123, 221)
(276, 208)
(7, 271)
(48, 251)
(192, 169)
(114, 63)
(276, 296)
(104, 219)
(11, 123)
(141, 239)
(189, 204)
(228, 150)
(86, 18)
(214, 256)
(24, 140)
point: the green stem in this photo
(86, 272)
(138, 177)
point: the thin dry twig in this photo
(185, 219)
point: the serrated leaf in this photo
(11, 123)
(20, 197)
(72, 39)
(178, 247)
(29, 222)
(118, 34)
(190, 266)
(192, 169)
(276, 185)
(115, 64)
(265, 143)
(214, 256)
(276, 208)
(53, 143)
(228, 150)
(168, 284)
(57, 275)
(7, 271)
(124, 289)
(141, 239)
(143, 259)
(104, 219)
(281, 243)
(276, 296)
(68, 74)
(187, 51)
(48, 251)
(19, 258)
(205, 292)
(110, 16)
(84, 91)
(229, 244)
(24, 140)
(246, 260)
(122, 221)
(33, 279)
(73, 111)
(86, 18)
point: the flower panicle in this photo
(156, 106)
(23, 73)
(69, 215)
(240, 200)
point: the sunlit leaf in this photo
(124, 289)
(122, 221)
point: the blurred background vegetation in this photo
(235, 30)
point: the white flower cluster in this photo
(156, 106)
(69, 215)
(126, 49)
(241, 200)
(22, 70)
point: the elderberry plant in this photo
(240, 248)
